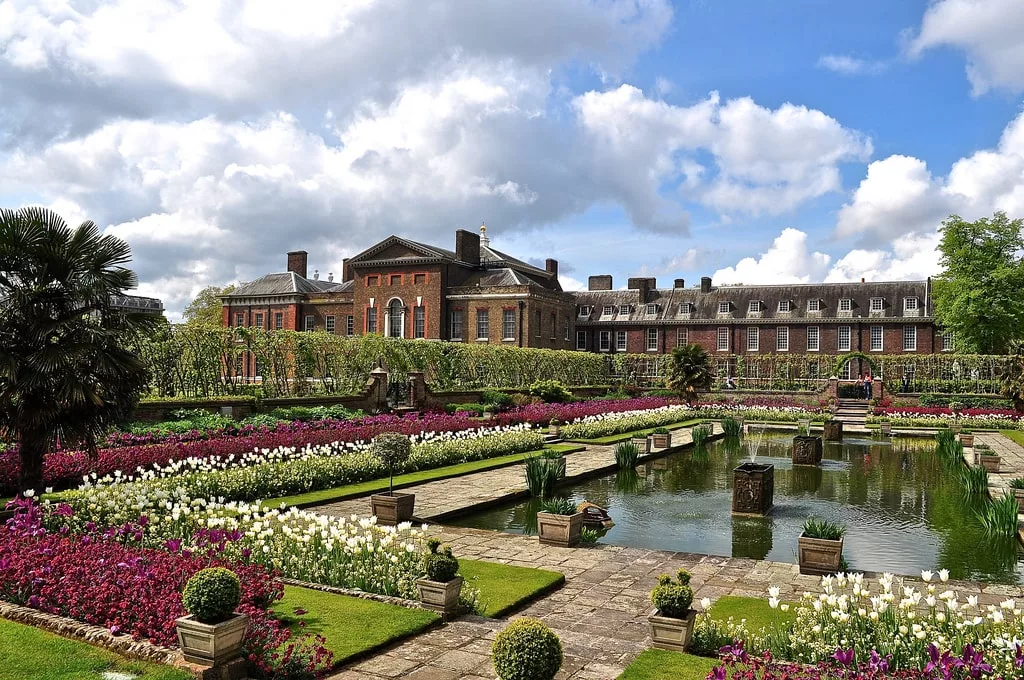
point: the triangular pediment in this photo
(396, 248)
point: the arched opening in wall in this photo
(396, 318)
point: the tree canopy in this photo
(206, 309)
(688, 370)
(66, 374)
(979, 295)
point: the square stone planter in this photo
(818, 556)
(661, 441)
(211, 644)
(440, 596)
(670, 633)
(955, 428)
(753, 489)
(1019, 495)
(967, 440)
(391, 509)
(833, 431)
(560, 530)
(807, 450)
(989, 461)
(642, 443)
(555, 430)
(886, 428)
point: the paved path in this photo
(446, 496)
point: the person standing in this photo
(867, 387)
(860, 384)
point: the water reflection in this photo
(903, 511)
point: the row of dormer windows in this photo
(877, 304)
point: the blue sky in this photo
(753, 141)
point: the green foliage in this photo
(1017, 483)
(526, 649)
(440, 564)
(929, 399)
(671, 597)
(732, 428)
(999, 516)
(823, 529)
(688, 371)
(542, 474)
(312, 413)
(475, 409)
(550, 391)
(206, 308)
(212, 595)
(499, 401)
(977, 297)
(1011, 383)
(626, 455)
(660, 430)
(974, 480)
(67, 371)
(559, 506)
(701, 433)
(392, 449)
(589, 536)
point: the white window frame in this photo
(652, 340)
(877, 304)
(881, 339)
(508, 324)
(849, 339)
(623, 310)
(584, 311)
(815, 333)
(910, 332)
(308, 322)
(682, 337)
(350, 325)
(724, 307)
(753, 338)
(782, 339)
(722, 339)
(278, 321)
(652, 308)
(329, 323)
(785, 306)
(581, 340)
(607, 310)
(910, 304)
(621, 341)
(456, 320)
(419, 322)
(258, 319)
(845, 304)
(753, 307)
(946, 341)
(814, 305)
(604, 341)
(686, 308)
(239, 319)
(370, 313)
(483, 324)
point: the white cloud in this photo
(847, 65)
(911, 258)
(788, 260)
(988, 31)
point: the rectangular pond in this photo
(903, 511)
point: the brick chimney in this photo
(467, 247)
(643, 286)
(600, 282)
(297, 262)
(551, 266)
(346, 270)
(705, 284)
(679, 283)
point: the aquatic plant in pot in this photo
(212, 633)
(1017, 486)
(661, 438)
(820, 547)
(559, 523)
(526, 649)
(967, 439)
(392, 449)
(439, 589)
(672, 622)
(987, 458)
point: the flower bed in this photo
(542, 414)
(606, 424)
(936, 416)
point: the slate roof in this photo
(287, 283)
(705, 306)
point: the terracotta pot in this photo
(560, 530)
(819, 556)
(440, 596)
(391, 509)
(661, 441)
(212, 644)
(990, 462)
(807, 450)
(671, 633)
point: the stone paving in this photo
(442, 498)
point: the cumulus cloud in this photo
(988, 31)
(910, 258)
(847, 65)
(788, 260)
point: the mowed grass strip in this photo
(340, 493)
(657, 664)
(504, 587)
(616, 438)
(29, 653)
(754, 609)
(351, 626)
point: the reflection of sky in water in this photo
(902, 511)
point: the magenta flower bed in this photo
(541, 414)
(910, 411)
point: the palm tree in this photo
(688, 370)
(66, 374)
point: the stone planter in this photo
(642, 443)
(392, 509)
(555, 430)
(886, 429)
(833, 431)
(989, 461)
(488, 415)
(804, 423)
(560, 530)
(753, 488)
(670, 633)
(1019, 495)
(211, 644)
(661, 441)
(818, 556)
(967, 440)
(955, 428)
(440, 596)
(807, 450)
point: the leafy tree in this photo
(688, 370)
(978, 296)
(1012, 379)
(65, 372)
(207, 309)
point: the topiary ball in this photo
(212, 595)
(526, 650)
(673, 598)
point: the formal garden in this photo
(598, 516)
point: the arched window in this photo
(396, 318)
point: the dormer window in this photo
(724, 307)
(814, 305)
(754, 307)
(877, 304)
(623, 310)
(685, 307)
(584, 312)
(910, 304)
(608, 310)
(845, 304)
(652, 308)
(784, 305)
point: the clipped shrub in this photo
(500, 401)
(212, 595)
(526, 649)
(439, 563)
(661, 430)
(673, 598)
(550, 391)
(392, 450)
(626, 455)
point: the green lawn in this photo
(754, 609)
(352, 626)
(1015, 435)
(616, 438)
(504, 587)
(340, 493)
(657, 664)
(28, 653)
